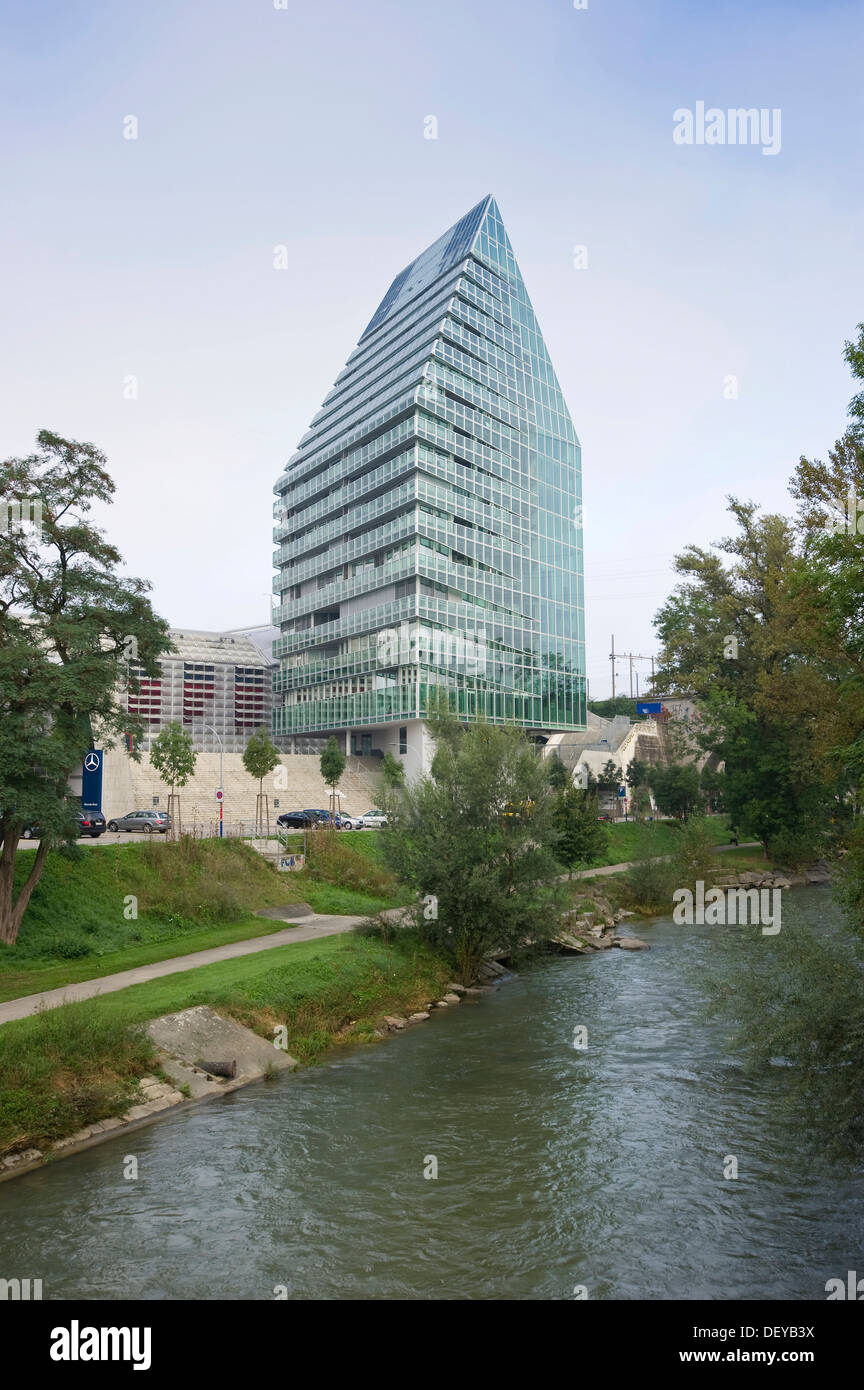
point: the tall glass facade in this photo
(429, 524)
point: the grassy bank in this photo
(109, 908)
(627, 838)
(72, 1066)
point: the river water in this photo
(557, 1167)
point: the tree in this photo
(392, 771)
(712, 782)
(70, 624)
(559, 777)
(581, 838)
(332, 766)
(611, 774)
(637, 774)
(585, 778)
(476, 838)
(260, 756)
(733, 635)
(173, 756)
(676, 789)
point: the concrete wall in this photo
(295, 783)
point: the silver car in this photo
(148, 822)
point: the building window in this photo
(403, 740)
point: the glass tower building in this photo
(429, 524)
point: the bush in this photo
(792, 849)
(650, 884)
(71, 947)
(331, 860)
(800, 998)
(694, 859)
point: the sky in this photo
(697, 335)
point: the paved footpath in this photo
(315, 927)
(619, 868)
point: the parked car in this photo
(334, 818)
(349, 822)
(90, 823)
(146, 821)
(294, 820)
(374, 820)
(87, 823)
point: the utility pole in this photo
(631, 657)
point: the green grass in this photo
(626, 838)
(71, 1066)
(734, 860)
(190, 896)
(40, 976)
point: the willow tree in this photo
(476, 838)
(70, 624)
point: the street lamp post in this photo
(209, 727)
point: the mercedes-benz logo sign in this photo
(91, 762)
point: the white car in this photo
(348, 822)
(374, 820)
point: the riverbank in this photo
(81, 1064)
(133, 904)
(544, 1153)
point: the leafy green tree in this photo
(801, 995)
(332, 766)
(476, 839)
(584, 778)
(582, 839)
(731, 635)
(637, 774)
(260, 756)
(559, 777)
(676, 789)
(611, 774)
(173, 756)
(70, 625)
(392, 772)
(712, 782)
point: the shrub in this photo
(331, 860)
(694, 859)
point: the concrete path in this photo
(619, 868)
(313, 927)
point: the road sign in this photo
(219, 794)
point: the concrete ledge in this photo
(199, 1031)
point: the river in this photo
(557, 1167)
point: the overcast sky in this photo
(303, 127)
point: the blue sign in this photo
(622, 791)
(649, 707)
(91, 781)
